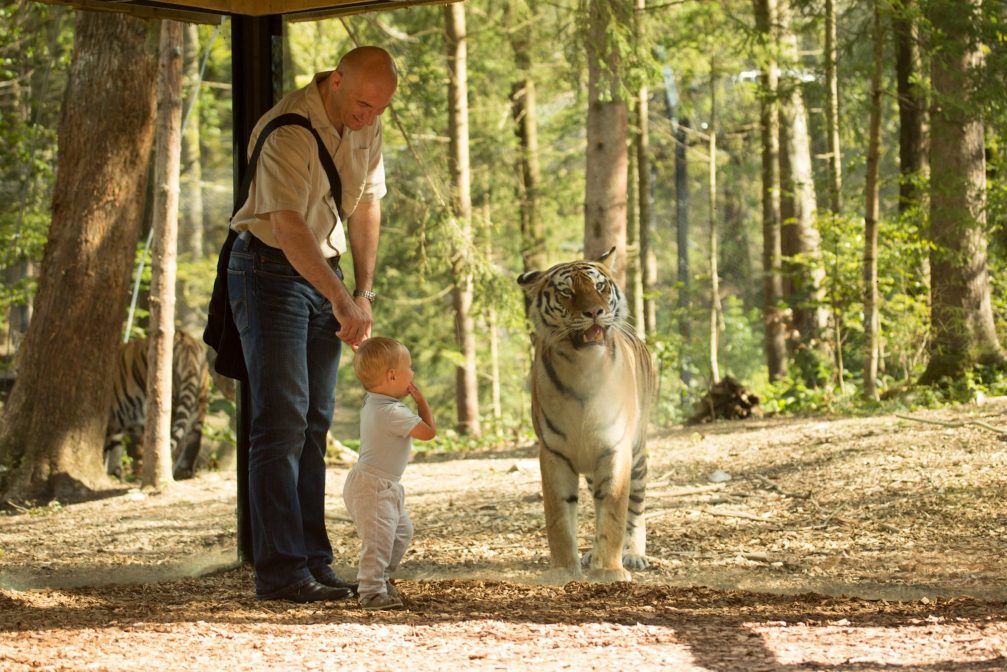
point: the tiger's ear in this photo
(528, 278)
(607, 255)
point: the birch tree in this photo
(871, 215)
(466, 382)
(832, 113)
(161, 331)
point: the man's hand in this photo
(355, 320)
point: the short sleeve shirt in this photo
(385, 424)
(289, 175)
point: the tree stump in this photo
(727, 399)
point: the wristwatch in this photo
(366, 293)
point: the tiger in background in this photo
(592, 385)
(190, 390)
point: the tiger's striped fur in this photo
(190, 390)
(592, 385)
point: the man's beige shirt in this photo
(289, 175)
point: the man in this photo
(294, 312)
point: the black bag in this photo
(221, 333)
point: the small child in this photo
(372, 492)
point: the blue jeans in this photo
(288, 335)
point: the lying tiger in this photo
(592, 384)
(190, 389)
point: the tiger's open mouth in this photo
(593, 335)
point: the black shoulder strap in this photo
(289, 119)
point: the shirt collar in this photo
(316, 108)
(382, 397)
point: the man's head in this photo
(361, 87)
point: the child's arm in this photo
(425, 429)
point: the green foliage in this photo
(421, 241)
(666, 349)
(34, 49)
(214, 104)
(792, 395)
(225, 434)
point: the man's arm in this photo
(364, 231)
(299, 245)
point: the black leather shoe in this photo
(313, 591)
(334, 582)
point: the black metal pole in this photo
(255, 70)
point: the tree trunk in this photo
(680, 126)
(190, 225)
(835, 170)
(735, 255)
(682, 236)
(491, 322)
(634, 269)
(466, 382)
(648, 259)
(715, 308)
(800, 242)
(776, 347)
(871, 213)
(607, 156)
(161, 330)
(54, 422)
(913, 164)
(962, 328)
(645, 198)
(832, 110)
(914, 167)
(524, 114)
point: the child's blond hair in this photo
(374, 357)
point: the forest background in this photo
(844, 245)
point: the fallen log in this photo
(727, 399)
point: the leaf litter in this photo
(861, 542)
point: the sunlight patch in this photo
(917, 643)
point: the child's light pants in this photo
(376, 503)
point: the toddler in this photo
(372, 492)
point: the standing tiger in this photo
(592, 384)
(190, 390)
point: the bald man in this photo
(294, 311)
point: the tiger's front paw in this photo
(634, 561)
(631, 561)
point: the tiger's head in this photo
(577, 301)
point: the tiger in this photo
(592, 385)
(190, 391)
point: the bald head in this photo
(361, 88)
(370, 62)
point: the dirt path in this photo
(853, 544)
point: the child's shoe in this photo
(380, 601)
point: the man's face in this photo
(360, 99)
